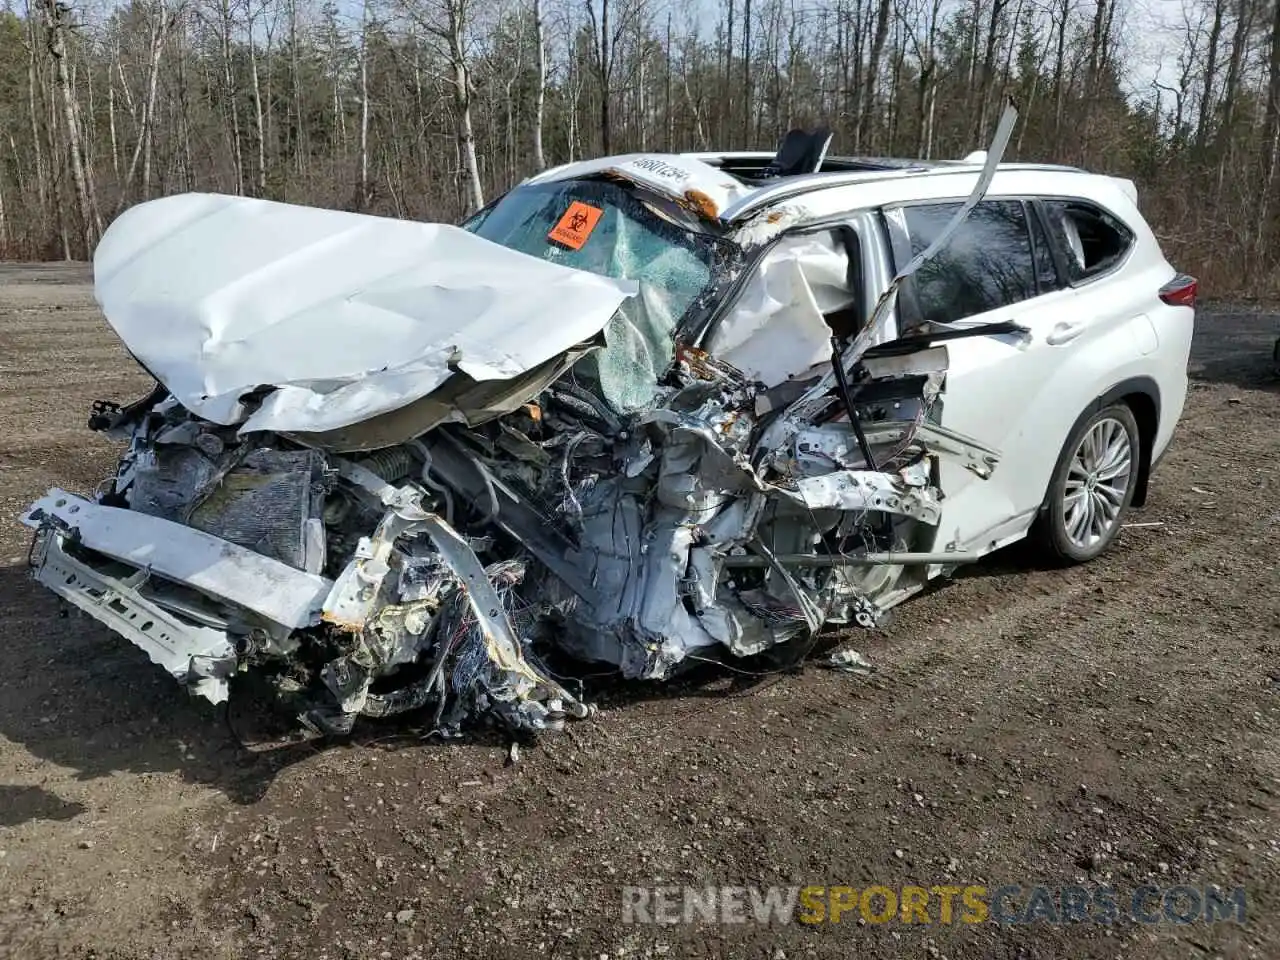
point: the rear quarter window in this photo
(1090, 240)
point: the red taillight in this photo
(1180, 291)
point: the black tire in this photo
(1061, 532)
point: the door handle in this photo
(1064, 333)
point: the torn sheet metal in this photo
(459, 400)
(347, 316)
(770, 223)
(922, 362)
(865, 490)
(198, 656)
(523, 695)
(977, 458)
(235, 574)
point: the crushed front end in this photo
(331, 576)
(416, 495)
(438, 573)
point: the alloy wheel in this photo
(1097, 481)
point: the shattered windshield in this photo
(606, 228)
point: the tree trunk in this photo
(748, 100)
(922, 111)
(897, 56)
(606, 71)
(1031, 97)
(726, 112)
(1231, 91)
(142, 148)
(1098, 41)
(35, 103)
(90, 223)
(111, 125)
(1271, 134)
(297, 134)
(229, 94)
(933, 107)
(669, 119)
(866, 134)
(1203, 120)
(971, 50)
(187, 162)
(988, 69)
(363, 192)
(473, 192)
(1059, 65)
(260, 175)
(1239, 40)
(540, 89)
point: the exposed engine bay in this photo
(437, 573)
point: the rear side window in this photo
(1092, 241)
(987, 264)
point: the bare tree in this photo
(1062, 15)
(423, 107)
(1204, 119)
(923, 38)
(608, 27)
(540, 88)
(56, 19)
(363, 189)
(1271, 130)
(36, 107)
(446, 22)
(161, 20)
(255, 87)
(873, 72)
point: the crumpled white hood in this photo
(347, 315)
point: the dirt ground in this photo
(1112, 724)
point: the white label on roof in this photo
(677, 176)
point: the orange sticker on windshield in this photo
(576, 225)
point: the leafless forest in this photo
(424, 108)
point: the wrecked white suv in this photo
(641, 411)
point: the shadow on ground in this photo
(18, 805)
(92, 702)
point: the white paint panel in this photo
(348, 315)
